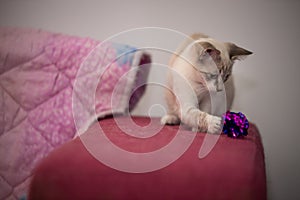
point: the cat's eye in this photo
(213, 76)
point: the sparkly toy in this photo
(235, 124)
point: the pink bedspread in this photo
(37, 78)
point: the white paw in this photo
(214, 124)
(170, 119)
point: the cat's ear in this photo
(206, 50)
(235, 52)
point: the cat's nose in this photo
(219, 84)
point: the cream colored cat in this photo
(200, 66)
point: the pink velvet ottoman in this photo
(234, 169)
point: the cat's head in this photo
(213, 57)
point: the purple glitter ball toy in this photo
(235, 124)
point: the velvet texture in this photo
(234, 169)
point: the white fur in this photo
(188, 98)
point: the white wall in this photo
(267, 82)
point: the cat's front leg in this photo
(214, 124)
(189, 112)
(201, 121)
(170, 119)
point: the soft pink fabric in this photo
(234, 169)
(37, 79)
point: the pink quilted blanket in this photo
(38, 70)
